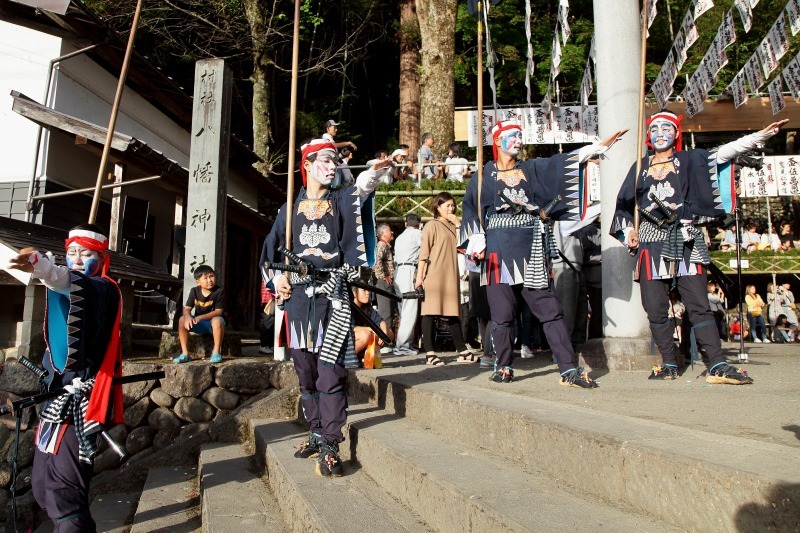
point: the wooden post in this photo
(118, 196)
(480, 109)
(640, 129)
(292, 126)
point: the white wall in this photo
(24, 58)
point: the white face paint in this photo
(83, 260)
(511, 142)
(323, 168)
(662, 135)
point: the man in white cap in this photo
(676, 191)
(401, 170)
(331, 127)
(331, 229)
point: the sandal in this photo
(431, 359)
(468, 357)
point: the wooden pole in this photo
(292, 126)
(640, 133)
(480, 109)
(114, 112)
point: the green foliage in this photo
(761, 261)
(400, 206)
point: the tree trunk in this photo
(409, 77)
(437, 24)
(262, 126)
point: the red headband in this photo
(673, 119)
(499, 128)
(312, 147)
(90, 240)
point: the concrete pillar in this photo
(618, 45)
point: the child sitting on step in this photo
(207, 300)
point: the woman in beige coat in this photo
(437, 273)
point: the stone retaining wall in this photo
(188, 401)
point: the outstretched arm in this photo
(728, 151)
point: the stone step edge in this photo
(219, 466)
(161, 507)
(376, 509)
(461, 505)
(629, 459)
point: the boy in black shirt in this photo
(208, 301)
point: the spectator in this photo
(401, 170)
(786, 234)
(780, 301)
(384, 273)
(364, 336)
(344, 176)
(426, 156)
(267, 325)
(751, 238)
(728, 244)
(676, 312)
(456, 168)
(716, 302)
(784, 331)
(207, 300)
(737, 331)
(769, 241)
(331, 128)
(786, 244)
(406, 249)
(437, 273)
(755, 318)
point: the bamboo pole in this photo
(292, 126)
(640, 133)
(114, 112)
(480, 109)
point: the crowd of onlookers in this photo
(756, 237)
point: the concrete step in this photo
(353, 502)
(234, 497)
(688, 478)
(461, 488)
(170, 502)
(111, 512)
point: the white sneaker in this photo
(265, 350)
(386, 350)
(757, 340)
(526, 353)
(767, 341)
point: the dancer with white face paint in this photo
(513, 240)
(677, 191)
(330, 229)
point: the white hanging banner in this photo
(556, 63)
(670, 69)
(726, 34)
(776, 95)
(586, 86)
(746, 13)
(652, 11)
(474, 127)
(754, 3)
(591, 124)
(662, 90)
(529, 63)
(568, 124)
(778, 37)
(767, 57)
(787, 175)
(694, 104)
(738, 89)
(753, 71)
(680, 49)
(791, 75)
(689, 29)
(592, 52)
(793, 14)
(563, 16)
(760, 183)
(538, 128)
(701, 6)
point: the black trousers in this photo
(61, 486)
(545, 306)
(655, 300)
(323, 394)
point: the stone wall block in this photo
(24, 479)
(194, 410)
(221, 398)
(190, 430)
(162, 440)
(136, 413)
(200, 346)
(246, 378)
(106, 460)
(165, 421)
(9, 421)
(283, 375)
(139, 439)
(17, 379)
(5, 475)
(161, 398)
(133, 392)
(26, 448)
(189, 379)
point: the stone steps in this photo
(456, 487)
(111, 512)
(688, 478)
(169, 502)
(234, 497)
(310, 503)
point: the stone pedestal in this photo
(618, 354)
(200, 346)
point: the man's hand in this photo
(283, 288)
(773, 128)
(613, 138)
(382, 163)
(22, 260)
(633, 240)
(387, 279)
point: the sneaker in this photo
(309, 447)
(329, 464)
(757, 340)
(386, 350)
(526, 353)
(215, 358)
(664, 372)
(502, 375)
(578, 378)
(182, 358)
(265, 350)
(767, 341)
(727, 374)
